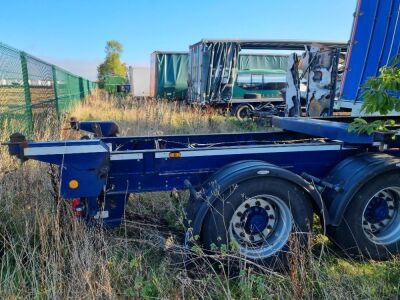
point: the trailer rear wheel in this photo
(259, 218)
(242, 112)
(371, 223)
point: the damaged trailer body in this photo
(212, 71)
(169, 71)
(213, 65)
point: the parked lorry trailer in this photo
(374, 41)
(139, 79)
(254, 193)
(168, 75)
(255, 190)
(213, 70)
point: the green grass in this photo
(46, 254)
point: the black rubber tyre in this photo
(194, 204)
(215, 230)
(242, 112)
(350, 235)
(252, 96)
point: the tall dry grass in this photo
(47, 254)
(147, 117)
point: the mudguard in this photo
(351, 175)
(235, 173)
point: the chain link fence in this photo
(32, 91)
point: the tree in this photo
(381, 95)
(112, 63)
(114, 46)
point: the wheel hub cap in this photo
(256, 220)
(378, 210)
(381, 218)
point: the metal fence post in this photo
(55, 87)
(81, 90)
(27, 91)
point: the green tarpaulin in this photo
(262, 62)
(169, 75)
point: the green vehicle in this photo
(115, 84)
(259, 84)
(257, 88)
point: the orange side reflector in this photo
(174, 154)
(73, 184)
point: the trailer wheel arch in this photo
(242, 171)
(352, 174)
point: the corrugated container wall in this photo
(168, 75)
(196, 73)
(374, 43)
(212, 71)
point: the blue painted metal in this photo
(109, 168)
(353, 174)
(375, 41)
(256, 220)
(98, 128)
(322, 128)
(127, 171)
(86, 161)
(151, 173)
(377, 210)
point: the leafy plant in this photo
(381, 95)
(359, 126)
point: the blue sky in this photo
(73, 33)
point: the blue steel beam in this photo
(85, 161)
(327, 129)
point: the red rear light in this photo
(77, 207)
(75, 202)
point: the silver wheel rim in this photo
(265, 241)
(381, 217)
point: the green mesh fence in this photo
(33, 92)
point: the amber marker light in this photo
(73, 184)
(174, 154)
